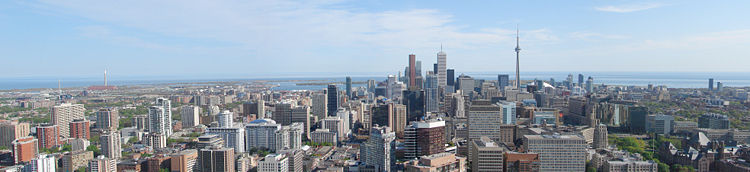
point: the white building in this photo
(274, 163)
(261, 133)
(102, 164)
(324, 136)
(160, 117)
(42, 163)
(377, 149)
(111, 145)
(65, 113)
(225, 119)
(233, 137)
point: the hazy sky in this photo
(247, 38)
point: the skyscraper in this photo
(320, 105)
(333, 100)
(349, 87)
(261, 133)
(414, 101)
(502, 81)
(24, 149)
(431, 91)
(485, 120)
(111, 145)
(418, 68)
(64, 113)
(412, 71)
(233, 137)
(637, 119)
(441, 71)
(486, 155)
(377, 150)
(190, 115)
(450, 77)
(600, 136)
(79, 128)
(424, 138)
(216, 159)
(590, 84)
(107, 119)
(11, 130)
(580, 79)
(225, 119)
(710, 84)
(48, 135)
(160, 117)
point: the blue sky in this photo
(204, 39)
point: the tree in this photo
(662, 167)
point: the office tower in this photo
(111, 145)
(465, 84)
(435, 67)
(349, 87)
(486, 155)
(377, 150)
(141, 122)
(521, 162)
(450, 77)
(659, 124)
(261, 133)
(320, 105)
(552, 82)
(274, 163)
(71, 161)
(64, 113)
(48, 135)
(502, 81)
(160, 117)
(155, 140)
(24, 149)
(580, 79)
(333, 100)
(424, 138)
(225, 119)
(382, 115)
(600, 136)
(336, 125)
(569, 81)
(184, 160)
(399, 119)
(102, 164)
(441, 71)
(638, 119)
(412, 72)
(414, 101)
(190, 116)
(485, 120)
(301, 114)
(42, 163)
(12, 130)
(719, 86)
(216, 159)
(710, 84)
(518, 63)
(79, 128)
(257, 108)
(589, 85)
(206, 141)
(509, 112)
(324, 136)
(431, 91)
(107, 119)
(233, 137)
(558, 152)
(418, 68)
(713, 121)
(371, 85)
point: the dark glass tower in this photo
(333, 100)
(349, 87)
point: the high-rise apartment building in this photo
(79, 128)
(432, 92)
(107, 119)
(24, 149)
(320, 105)
(48, 135)
(111, 145)
(600, 136)
(226, 119)
(102, 164)
(190, 116)
(509, 112)
(233, 137)
(12, 130)
(261, 133)
(216, 159)
(710, 84)
(42, 163)
(558, 152)
(274, 163)
(377, 150)
(160, 117)
(184, 160)
(64, 113)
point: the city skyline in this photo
(330, 36)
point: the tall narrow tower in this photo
(105, 78)
(518, 50)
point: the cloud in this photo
(595, 36)
(628, 8)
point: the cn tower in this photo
(518, 71)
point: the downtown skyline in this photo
(296, 41)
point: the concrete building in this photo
(65, 113)
(485, 120)
(71, 161)
(190, 116)
(216, 159)
(24, 149)
(424, 138)
(441, 71)
(261, 133)
(225, 119)
(558, 152)
(447, 162)
(79, 144)
(257, 108)
(12, 130)
(378, 149)
(336, 125)
(502, 81)
(274, 163)
(155, 140)
(320, 105)
(600, 136)
(233, 137)
(48, 135)
(521, 162)
(207, 141)
(42, 163)
(184, 160)
(107, 119)
(399, 120)
(508, 112)
(295, 159)
(111, 145)
(141, 122)
(659, 124)
(486, 155)
(324, 136)
(80, 128)
(713, 121)
(301, 114)
(102, 164)
(628, 165)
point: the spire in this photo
(518, 70)
(441, 47)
